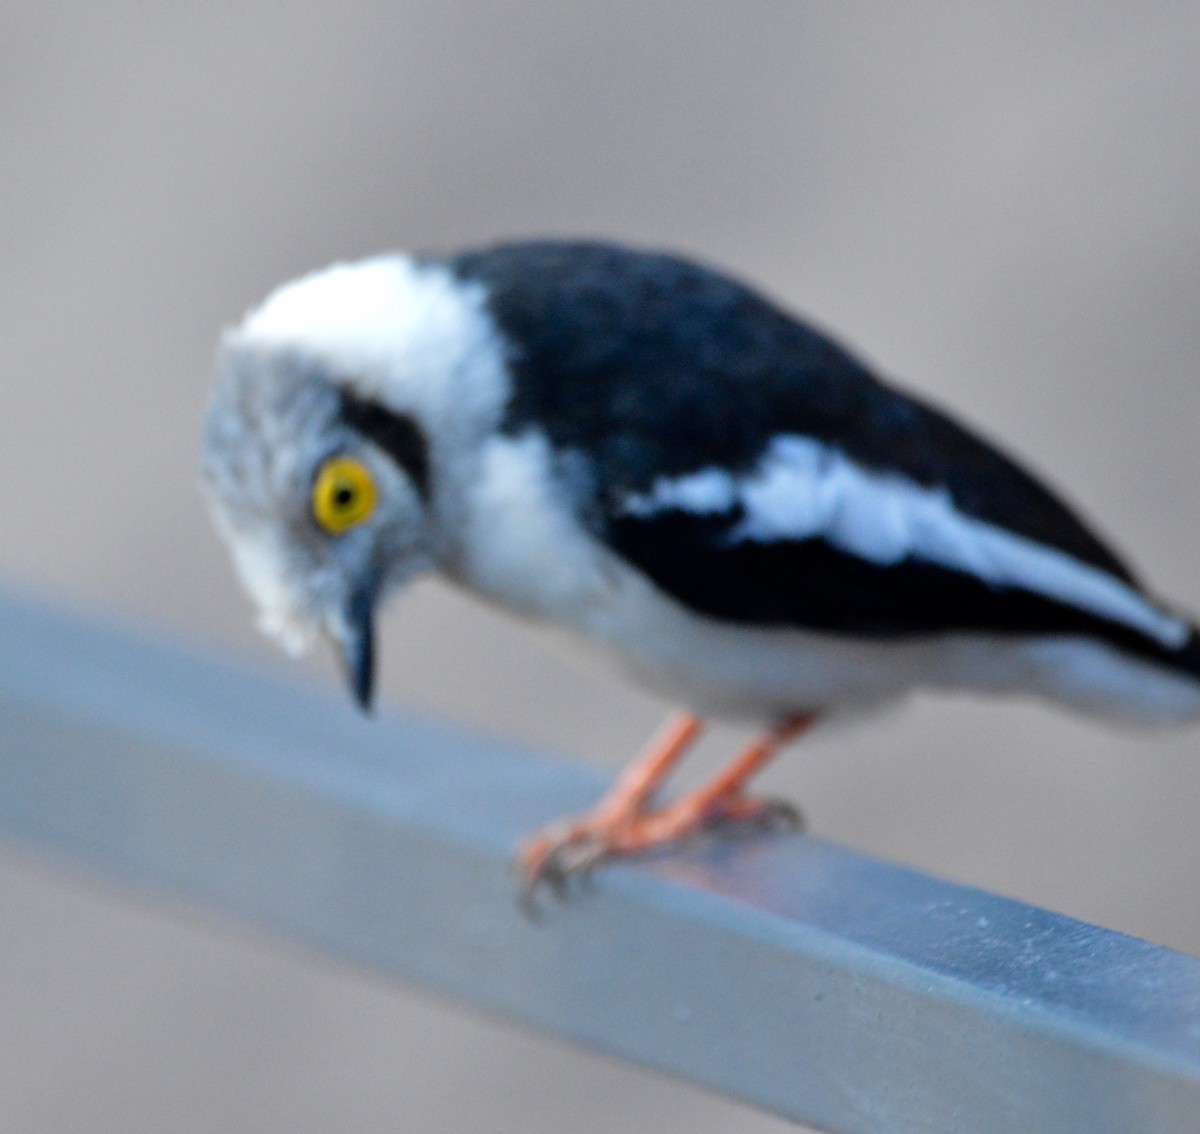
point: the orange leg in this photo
(622, 824)
(722, 797)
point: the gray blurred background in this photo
(996, 203)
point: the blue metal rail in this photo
(808, 980)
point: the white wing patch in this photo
(803, 489)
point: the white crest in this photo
(405, 332)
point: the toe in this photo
(763, 814)
(559, 854)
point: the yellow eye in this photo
(344, 495)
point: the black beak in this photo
(358, 646)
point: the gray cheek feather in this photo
(267, 427)
(263, 433)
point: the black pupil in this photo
(343, 497)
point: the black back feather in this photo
(655, 366)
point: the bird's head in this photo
(321, 518)
(336, 411)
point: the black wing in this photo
(655, 367)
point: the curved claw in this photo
(770, 814)
(555, 857)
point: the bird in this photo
(692, 482)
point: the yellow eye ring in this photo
(344, 495)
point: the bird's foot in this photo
(573, 848)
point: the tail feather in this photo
(1151, 685)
